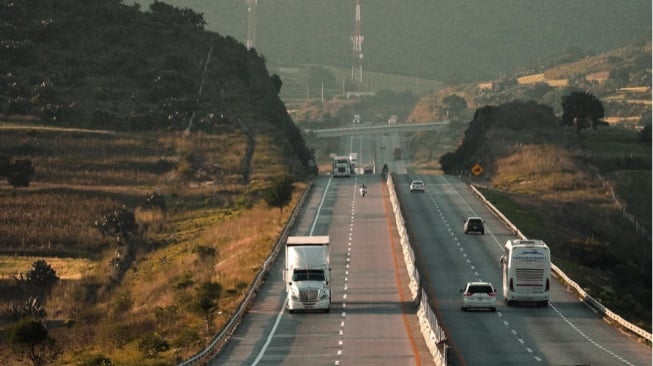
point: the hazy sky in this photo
(436, 38)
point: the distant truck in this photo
(353, 160)
(397, 153)
(341, 166)
(307, 273)
(356, 119)
(392, 120)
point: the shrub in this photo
(152, 344)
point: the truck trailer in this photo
(307, 273)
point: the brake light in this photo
(467, 294)
(512, 287)
(546, 288)
(492, 294)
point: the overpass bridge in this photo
(377, 129)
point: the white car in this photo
(417, 186)
(479, 295)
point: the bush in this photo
(152, 344)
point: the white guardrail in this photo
(582, 294)
(433, 333)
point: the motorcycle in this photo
(363, 191)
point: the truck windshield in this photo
(308, 275)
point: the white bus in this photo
(526, 268)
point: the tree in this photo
(453, 104)
(42, 275)
(277, 82)
(29, 338)
(120, 224)
(279, 193)
(153, 201)
(582, 110)
(206, 301)
(20, 174)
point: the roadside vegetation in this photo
(154, 205)
(583, 185)
(566, 187)
(114, 303)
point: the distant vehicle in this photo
(356, 119)
(474, 225)
(392, 120)
(417, 186)
(341, 166)
(397, 153)
(526, 266)
(353, 160)
(478, 295)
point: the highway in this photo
(372, 320)
(565, 333)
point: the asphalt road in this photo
(565, 333)
(372, 320)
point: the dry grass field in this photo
(215, 229)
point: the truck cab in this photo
(307, 274)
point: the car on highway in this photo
(417, 186)
(478, 295)
(474, 224)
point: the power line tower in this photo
(357, 56)
(251, 23)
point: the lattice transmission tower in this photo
(251, 23)
(357, 56)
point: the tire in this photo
(494, 310)
(291, 311)
(508, 302)
(463, 308)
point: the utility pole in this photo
(357, 55)
(251, 23)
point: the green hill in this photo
(111, 66)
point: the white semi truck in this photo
(307, 273)
(353, 160)
(341, 166)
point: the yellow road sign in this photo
(477, 169)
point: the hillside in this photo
(155, 144)
(105, 66)
(587, 194)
